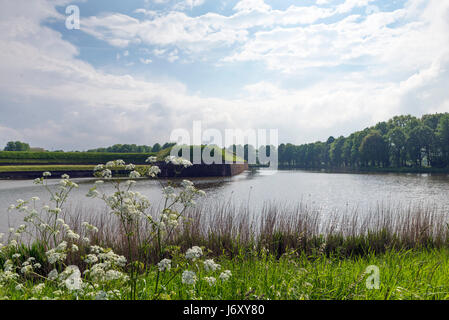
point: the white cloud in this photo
(197, 34)
(348, 5)
(145, 61)
(188, 4)
(50, 98)
(251, 5)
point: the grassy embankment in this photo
(73, 161)
(292, 254)
(403, 275)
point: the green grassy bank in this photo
(403, 275)
(72, 158)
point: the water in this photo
(329, 192)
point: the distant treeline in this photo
(73, 158)
(117, 148)
(403, 141)
(132, 148)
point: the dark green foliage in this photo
(157, 147)
(17, 146)
(133, 148)
(401, 142)
(374, 150)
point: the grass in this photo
(286, 253)
(45, 168)
(69, 158)
(42, 168)
(90, 158)
(229, 230)
(413, 274)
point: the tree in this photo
(289, 154)
(168, 145)
(442, 138)
(382, 127)
(347, 147)
(397, 143)
(419, 144)
(374, 150)
(156, 147)
(336, 152)
(431, 120)
(17, 146)
(407, 122)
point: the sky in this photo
(136, 70)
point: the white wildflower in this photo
(151, 159)
(19, 287)
(53, 274)
(130, 167)
(164, 265)
(38, 288)
(101, 295)
(194, 253)
(225, 275)
(110, 164)
(134, 175)
(210, 265)
(91, 259)
(72, 235)
(188, 277)
(99, 167)
(72, 278)
(154, 171)
(210, 280)
(107, 174)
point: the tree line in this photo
(117, 148)
(132, 148)
(403, 141)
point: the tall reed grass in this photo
(228, 229)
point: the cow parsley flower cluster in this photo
(210, 265)
(104, 265)
(189, 277)
(178, 161)
(194, 253)
(164, 265)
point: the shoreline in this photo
(167, 171)
(370, 170)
